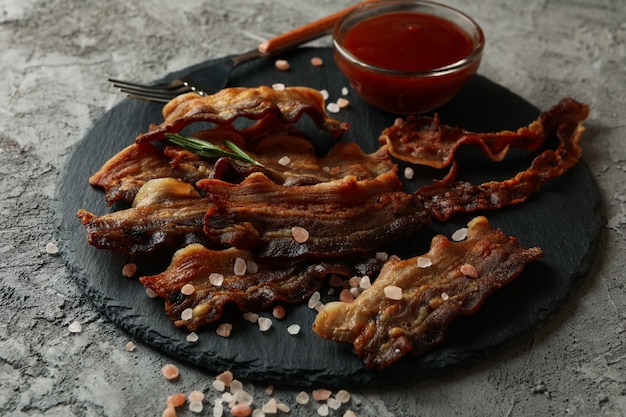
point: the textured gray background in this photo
(54, 58)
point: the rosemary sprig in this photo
(209, 150)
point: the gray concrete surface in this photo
(54, 57)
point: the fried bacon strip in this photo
(445, 199)
(165, 212)
(342, 217)
(461, 277)
(253, 290)
(424, 141)
(286, 106)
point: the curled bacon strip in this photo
(461, 277)
(423, 141)
(286, 106)
(252, 289)
(444, 199)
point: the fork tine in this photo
(145, 87)
(155, 95)
(158, 92)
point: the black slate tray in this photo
(563, 219)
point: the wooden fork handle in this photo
(306, 33)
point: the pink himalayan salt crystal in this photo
(240, 266)
(316, 61)
(300, 234)
(176, 400)
(241, 410)
(282, 64)
(226, 377)
(342, 103)
(216, 279)
(129, 270)
(279, 312)
(224, 329)
(170, 372)
(187, 289)
(321, 394)
(393, 292)
(169, 411)
(469, 270)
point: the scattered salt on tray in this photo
(270, 407)
(176, 400)
(409, 173)
(333, 403)
(284, 161)
(192, 337)
(316, 61)
(196, 406)
(324, 94)
(75, 327)
(282, 64)
(322, 410)
(278, 86)
(241, 410)
(343, 396)
(333, 108)
(444, 296)
(129, 270)
(151, 293)
(321, 394)
(251, 317)
(187, 314)
(169, 411)
(129, 347)
(302, 397)
(342, 103)
(279, 312)
(264, 324)
(365, 282)
(314, 299)
(293, 329)
(224, 329)
(382, 256)
(252, 266)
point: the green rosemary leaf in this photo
(209, 150)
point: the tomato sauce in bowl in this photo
(406, 56)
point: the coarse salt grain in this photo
(321, 394)
(409, 173)
(332, 108)
(196, 406)
(342, 103)
(129, 347)
(283, 408)
(355, 291)
(345, 296)
(284, 161)
(343, 396)
(252, 266)
(224, 329)
(187, 289)
(270, 407)
(218, 409)
(333, 403)
(240, 267)
(279, 312)
(323, 410)
(314, 299)
(444, 296)
(278, 86)
(257, 412)
(192, 337)
(460, 234)
(302, 397)
(269, 389)
(324, 94)
(316, 61)
(216, 279)
(52, 249)
(170, 372)
(423, 262)
(218, 385)
(169, 411)
(176, 400)
(264, 324)
(187, 314)
(251, 317)
(151, 293)
(129, 270)
(226, 377)
(282, 64)
(244, 397)
(349, 413)
(393, 292)
(344, 91)
(241, 410)
(236, 386)
(293, 329)
(75, 327)
(382, 256)
(469, 270)
(300, 234)
(354, 281)
(365, 282)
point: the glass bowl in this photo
(407, 56)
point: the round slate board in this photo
(563, 219)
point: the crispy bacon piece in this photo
(165, 212)
(461, 277)
(124, 174)
(343, 217)
(423, 141)
(286, 106)
(444, 199)
(252, 290)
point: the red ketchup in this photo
(411, 44)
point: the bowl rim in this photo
(448, 69)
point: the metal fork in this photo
(208, 78)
